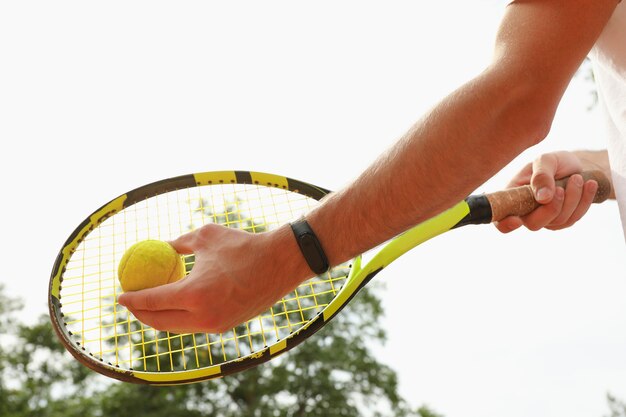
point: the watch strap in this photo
(310, 246)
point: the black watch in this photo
(310, 246)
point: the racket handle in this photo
(520, 201)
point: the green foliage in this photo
(36, 372)
(424, 411)
(616, 407)
(332, 374)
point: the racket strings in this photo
(110, 333)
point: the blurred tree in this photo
(424, 411)
(616, 407)
(335, 373)
(37, 377)
(332, 374)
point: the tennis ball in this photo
(148, 264)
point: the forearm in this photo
(472, 133)
(456, 147)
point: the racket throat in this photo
(480, 211)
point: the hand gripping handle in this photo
(520, 201)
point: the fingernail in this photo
(559, 193)
(578, 180)
(543, 193)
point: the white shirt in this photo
(609, 64)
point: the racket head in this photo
(106, 337)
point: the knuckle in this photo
(150, 301)
(206, 232)
(547, 158)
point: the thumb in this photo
(151, 299)
(542, 180)
(543, 186)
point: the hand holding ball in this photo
(148, 264)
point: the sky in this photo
(99, 98)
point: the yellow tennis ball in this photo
(148, 264)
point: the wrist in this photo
(287, 260)
(310, 246)
(593, 160)
(596, 160)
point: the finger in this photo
(573, 194)
(545, 214)
(176, 321)
(542, 179)
(184, 244)
(180, 321)
(152, 299)
(197, 239)
(588, 193)
(509, 224)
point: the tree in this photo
(332, 374)
(37, 378)
(616, 407)
(424, 411)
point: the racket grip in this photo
(520, 201)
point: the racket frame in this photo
(358, 276)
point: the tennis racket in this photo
(106, 337)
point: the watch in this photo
(310, 246)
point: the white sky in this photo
(99, 98)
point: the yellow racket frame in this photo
(358, 276)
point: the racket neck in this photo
(480, 211)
